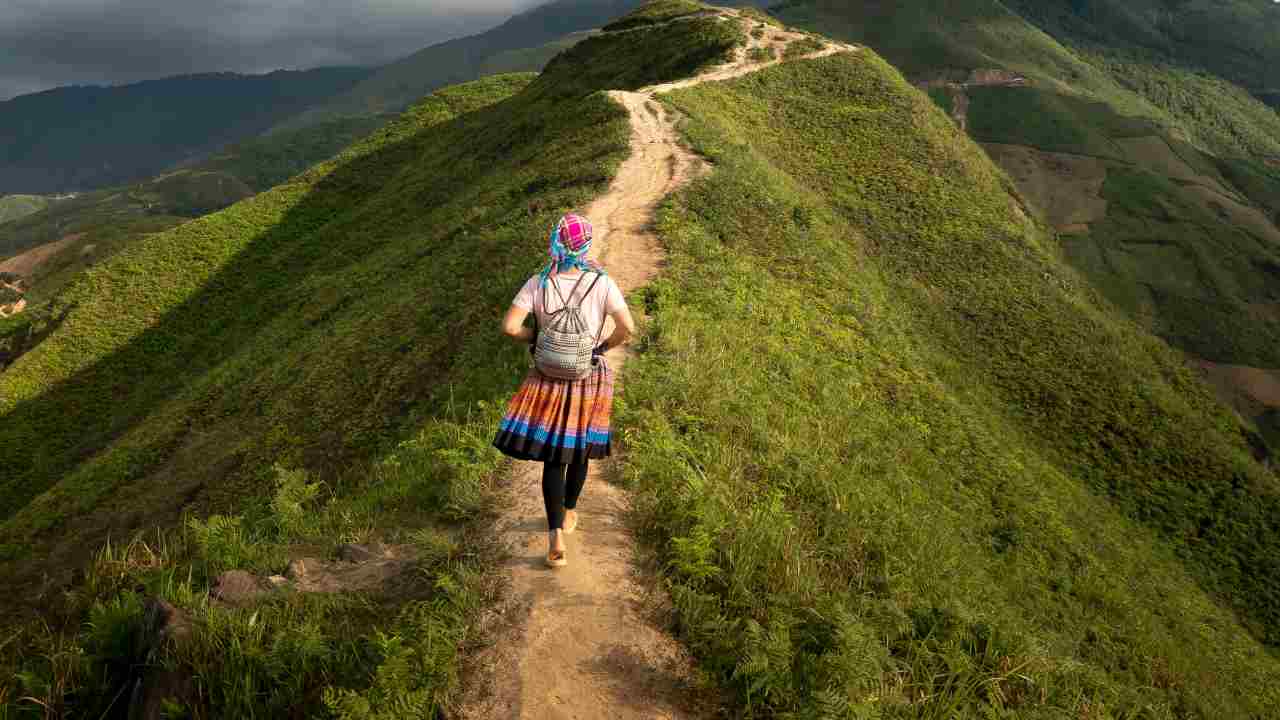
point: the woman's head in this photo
(570, 242)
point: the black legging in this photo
(561, 486)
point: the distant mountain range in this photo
(81, 138)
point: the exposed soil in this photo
(1066, 188)
(583, 641)
(1251, 390)
(26, 263)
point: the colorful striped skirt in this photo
(561, 421)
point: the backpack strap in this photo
(564, 304)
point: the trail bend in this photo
(582, 641)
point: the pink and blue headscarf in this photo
(570, 243)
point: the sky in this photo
(48, 43)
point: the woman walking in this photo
(560, 415)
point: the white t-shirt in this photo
(605, 298)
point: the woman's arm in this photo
(513, 325)
(624, 326)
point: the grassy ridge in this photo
(318, 363)
(205, 293)
(900, 462)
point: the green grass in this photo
(1234, 39)
(16, 207)
(899, 461)
(1259, 182)
(762, 54)
(804, 46)
(108, 220)
(1048, 121)
(947, 40)
(672, 51)
(311, 366)
(264, 162)
(655, 12)
(1190, 274)
(1218, 114)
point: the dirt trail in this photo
(586, 644)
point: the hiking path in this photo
(583, 641)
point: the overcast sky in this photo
(47, 43)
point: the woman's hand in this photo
(513, 325)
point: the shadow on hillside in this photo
(44, 439)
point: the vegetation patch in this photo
(804, 46)
(1049, 121)
(762, 54)
(671, 52)
(944, 478)
(655, 12)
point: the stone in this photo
(298, 569)
(238, 587)
(362, 553)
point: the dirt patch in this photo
(1265, 312)
(14, 309)
(26, 263)
(582, 641)
(1249, 389)
(1066, 189)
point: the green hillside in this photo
(1234, 39)
(99, 223)
(893, 456)
(15, 207)
(83, 138)
(1151, 98)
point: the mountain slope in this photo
(1235, 40)
(92, 226)
(82, 138)
(1154, 170)
(15, 207)
(893, 456)
(900, 460)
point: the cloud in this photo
(46, 43)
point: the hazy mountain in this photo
(81, 138)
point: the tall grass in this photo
(900, 461)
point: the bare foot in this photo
(570, 521)
(556, 556)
